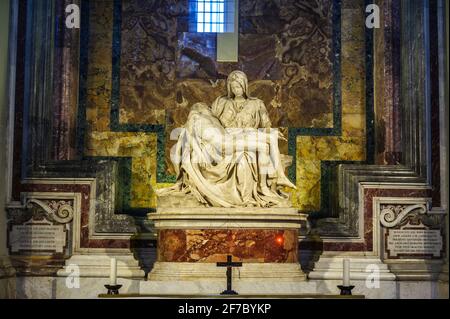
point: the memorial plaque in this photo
(37, 237)
(413, 243)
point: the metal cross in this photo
(229, 264)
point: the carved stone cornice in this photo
(54, 210)
(394, 215)
(59, 211)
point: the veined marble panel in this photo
(213, 245)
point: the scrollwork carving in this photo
(59, 211)
(393, 215)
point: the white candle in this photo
(346, 274)
(113, 273)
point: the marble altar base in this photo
(91, 288)
(192, 240)
(99, 265)
(249, 272)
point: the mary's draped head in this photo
(240, 78)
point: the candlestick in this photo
(346, 274)
(346, 291)
(113, 273)
(113, 290)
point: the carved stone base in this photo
(99, 266)
(416, 270)
(443, 277)
(7, 278)
(178, 200)
(331, 268)
(192, 240)
(171, 271)
(227, 218)
(6, 268)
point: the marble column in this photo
(446, 125)
(6, 270)
(443, 22)
(388, 146)
(65, 93)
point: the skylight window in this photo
(216, 16)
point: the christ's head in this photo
(201, 108)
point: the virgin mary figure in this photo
(227, 155)
(237, 109)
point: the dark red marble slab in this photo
(247, 245)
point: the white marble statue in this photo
(227, 155)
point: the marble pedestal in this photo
(331, 268)
(99, 266)
(192, 240)
(7, 278)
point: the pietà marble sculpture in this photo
(227, 155)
